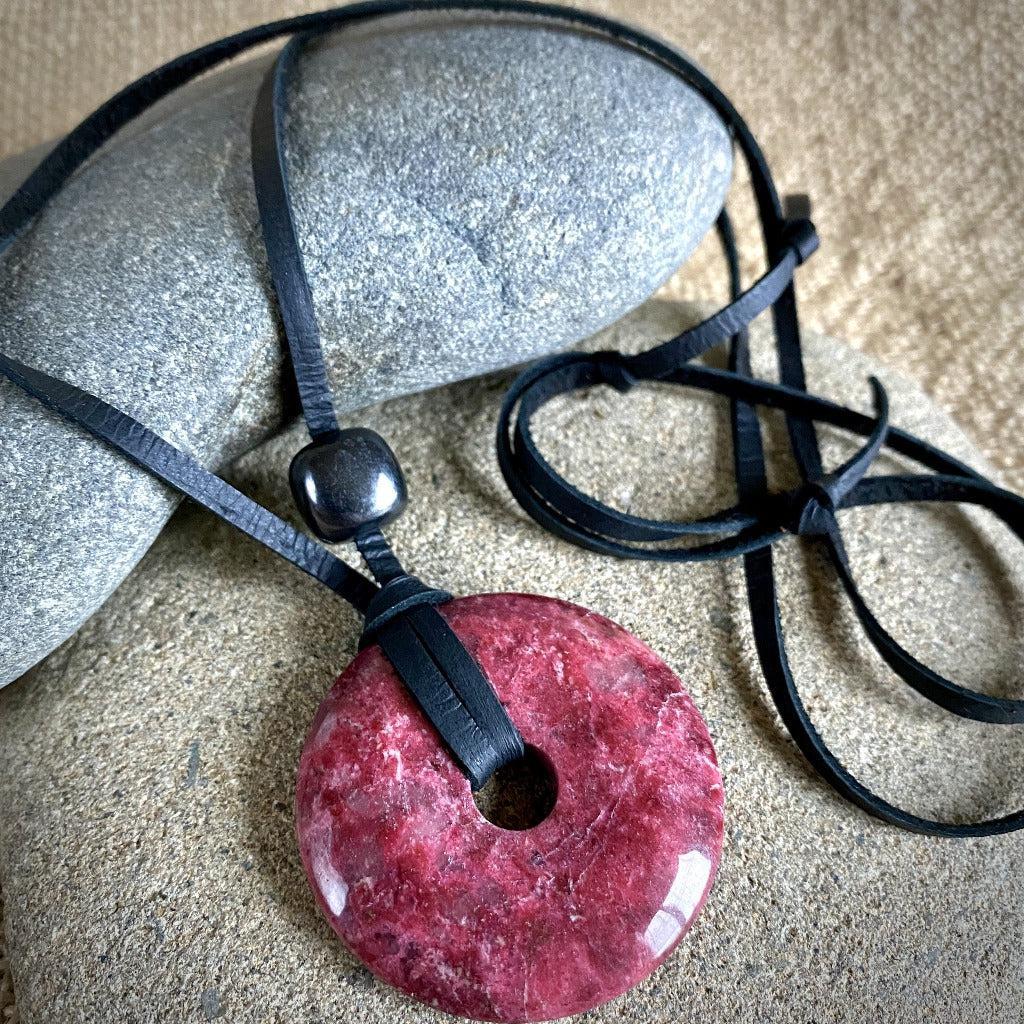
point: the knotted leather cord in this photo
(759, 519)
(750, 528)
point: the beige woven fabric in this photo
(901, 119)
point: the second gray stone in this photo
(468, 194)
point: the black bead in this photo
(346, 482)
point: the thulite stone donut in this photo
(509, 925)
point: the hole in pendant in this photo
(520, 795)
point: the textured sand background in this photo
(902, 121)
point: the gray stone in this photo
(468, 194)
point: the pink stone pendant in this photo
(515, 923)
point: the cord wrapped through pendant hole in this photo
(521, 794)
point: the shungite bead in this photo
(346, 482)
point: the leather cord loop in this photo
(395, 598)
(752, 527)
(442, 676)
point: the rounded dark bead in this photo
(346, 482)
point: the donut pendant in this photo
(515, 923)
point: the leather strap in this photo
(432, 661)
(287, 267)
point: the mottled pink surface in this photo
(495, 924)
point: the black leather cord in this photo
(181, 471)
(431, 660)
(401, 612)
(287, 267)
(760, 519)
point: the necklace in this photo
(549, 917)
